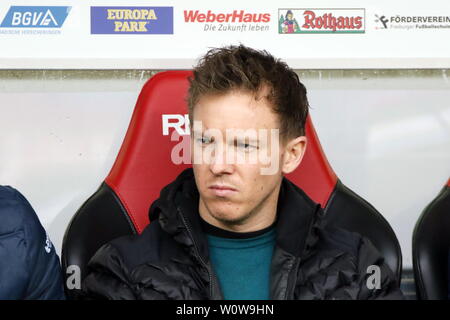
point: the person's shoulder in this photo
(134, 250)
(110, 268)
(335, 238)
(10, 202)
(16, 213)
(27, 250)
(355, 255)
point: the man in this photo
(232, 227)
(29, 265)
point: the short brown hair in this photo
(222, 70)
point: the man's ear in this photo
(293, 154)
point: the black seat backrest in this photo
(431, 247)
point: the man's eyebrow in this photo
(196, 132)
(202, 134)
(234, 136)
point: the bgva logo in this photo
(35, 17)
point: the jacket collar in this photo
(299, 219)
(177, 212)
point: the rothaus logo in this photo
(35, 17)
(321, 21)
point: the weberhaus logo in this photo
(131, 20)
(235, 21)
(321, 21)
(34, 19)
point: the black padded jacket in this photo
(169, 260)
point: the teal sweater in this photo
(242, 262)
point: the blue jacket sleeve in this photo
(29, 265)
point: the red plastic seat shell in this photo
(143, 165)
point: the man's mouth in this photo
(222, 190)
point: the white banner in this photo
(173, 34)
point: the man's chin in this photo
(230, 218)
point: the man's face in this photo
(230, 154)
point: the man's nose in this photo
(219, 164)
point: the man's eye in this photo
(204, 140)
(246, 146)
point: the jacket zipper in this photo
(211, 283)
(292, 279)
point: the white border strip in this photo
(177, 64)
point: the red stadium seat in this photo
(144, 165)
